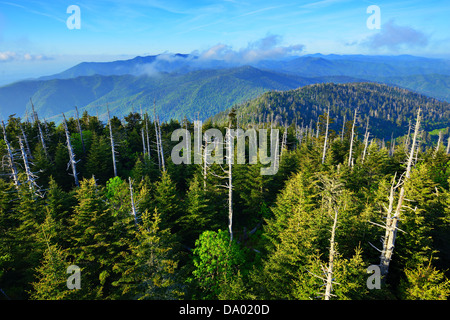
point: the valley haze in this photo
(188, 85)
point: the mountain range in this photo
(179, 85)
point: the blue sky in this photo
(35, 40)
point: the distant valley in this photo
(182, 85)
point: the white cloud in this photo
(263, 49)
(7, 56)
(394, 37)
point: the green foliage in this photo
(151, 271)
(281, 223)
(216, 261)
(425, 282)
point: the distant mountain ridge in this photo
(175, 95)
(187, 85)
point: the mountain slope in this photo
(433, 85)
(181, 85)
(389, 109)
(175, 95)
(359, 65)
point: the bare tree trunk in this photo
(317, 130)
(448, 145)
(205, 163)
(230, 183)
(25, 163)
(26, 141)
(283, 142)
(392, 222)
(438, 144)
(147, 134)
(133, 207)
(326, 137)
(145, 146)
(329, 282)
(72, 160)
(161, 146)
(158, 149)
(366, 141)
(351, 140)
(34, 114)
(392, 146)
(41, 135)
(30, 176)
(144, 149)
(12, 166)
(407, 137)
(113, 150)
(230, 160)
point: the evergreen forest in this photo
(358, 190)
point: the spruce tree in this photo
(197, 215)
(152, 263)
(166, 201)
(99, 239)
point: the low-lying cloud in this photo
(267, 48)
(7, 56)
(222, 55)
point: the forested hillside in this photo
(174, 95)
(388, 109)
(141, 227)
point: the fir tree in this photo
(151, 271)
(166, 201)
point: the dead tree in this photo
(26, 141)
(31, 178)
(438, 144)
(408, 137)
(158, 149)
(326, 137)
(283, 142)
(366, 141)
(147, 134)
(161, 146)
(332, 254)
(392, 220)
(331, 191)
(72, 161)
(144, 149)
(41, 135)
(228, 172)
(12, 166)
(133, 206)
(448, 146)
(229, 159)
(113, 149)
(350, 155)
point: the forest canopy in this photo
(140, 227)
